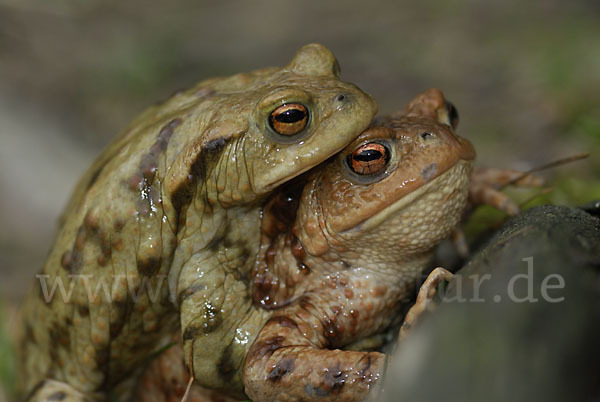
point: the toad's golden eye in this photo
(369, 159)
(289, 119)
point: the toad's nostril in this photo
(427, 135)
(341, 98)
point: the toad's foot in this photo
(51, 390)
(486, 184)
(425, 298)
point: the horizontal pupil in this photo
(290, 116)
(368, 155)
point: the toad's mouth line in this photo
(443, 180)
(283, 180)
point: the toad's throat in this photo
(446, 183)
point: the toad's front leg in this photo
(425, 298)
(292, 358)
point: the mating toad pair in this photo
(194, 211)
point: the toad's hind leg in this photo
(51, 390)
(486, 183)
(425, 298)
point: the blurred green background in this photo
(525, 77)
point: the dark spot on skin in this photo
(283, 321)
(135, 182)
(80, 238)
(313, 391)
(90, 222)
(190, 292)
(332, 331)
(57, 396)
(210, 320)
(118, 225)
(59, 335)
(75, 263)
(143, 180)
(220, 242)
(364, 373)
(181, 198)
(66, 260)
(119, 312)
(283, 367)
(429, 171)
(183, 194)
(148, 200)
(215, 145)
(226, 366)
(148, 166)
(72, 260)
(191, 332)
(215, 244)
(84, 310)
(148, 266)
(334, 379)
(164, 135)
(149, 162)
(102, 358)
(264, 349)
(329, 331)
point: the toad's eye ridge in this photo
(369, 159)
(289, 119)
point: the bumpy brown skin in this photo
(353, 254)
(168, 220)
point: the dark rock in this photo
(510, 340)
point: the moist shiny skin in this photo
(162, 231)
(338, 270)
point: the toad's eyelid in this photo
(285, 96)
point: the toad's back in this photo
(117, 277)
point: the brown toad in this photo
(159, 231)
(337, 272)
